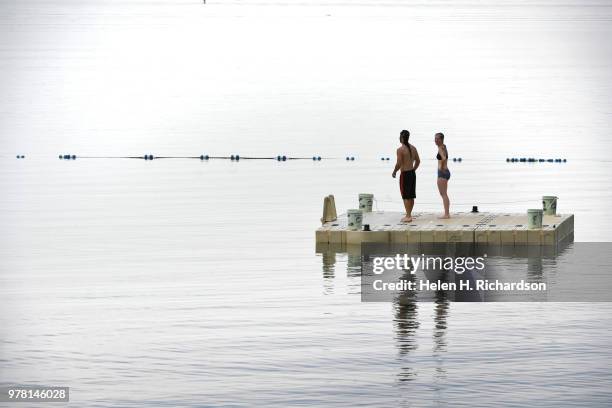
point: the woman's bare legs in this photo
(442, 188)
(408, 205)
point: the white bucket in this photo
(355, 218)
(549, 205)
(534, 218)
(365, 202)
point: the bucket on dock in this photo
(355, 217)
(534, 218)
(549, 205)
(365, 202)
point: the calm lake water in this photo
(176, 282)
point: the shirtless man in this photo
(407, 161)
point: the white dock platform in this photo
(481, 228)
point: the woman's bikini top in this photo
(440, 157)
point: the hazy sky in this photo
(174, 78)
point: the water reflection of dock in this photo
(531, 264)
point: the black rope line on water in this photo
(533, 160)
(285, 158)
(237, 157)
(201, 157)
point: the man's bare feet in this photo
(407, 218)
(444, 217)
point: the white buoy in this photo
(365, 202)
(355, 218)
(549, 205)
(534, 218)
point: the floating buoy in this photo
(534, 160)
(204, 157)
(73, 157)
(278, 158)
(347, 158)
(319, 158)
(382, 158)
(530, 160)
(284, 158)
(352, 158)
(237, 157)
(459, 159)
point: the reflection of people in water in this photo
(440, 318)
(406, 318)
(407, 161)
(406, 311)
(407, 322)
(406, 325)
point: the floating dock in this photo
(481, 228)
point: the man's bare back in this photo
(407, 157)
(407, 162)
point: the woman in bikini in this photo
(443, 172)
(407, 161)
